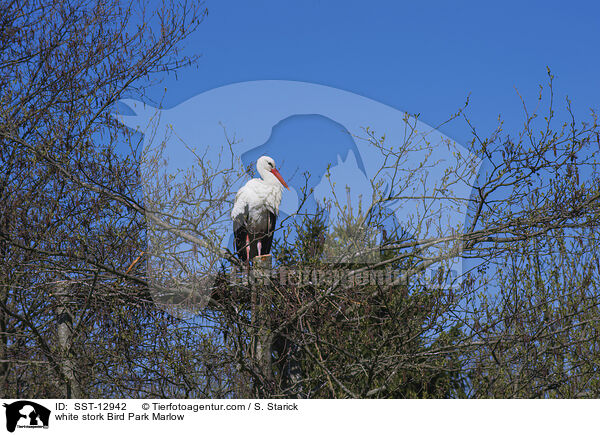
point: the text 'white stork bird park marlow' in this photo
(255, 211)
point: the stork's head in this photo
(266, 168)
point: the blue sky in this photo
(421, 57)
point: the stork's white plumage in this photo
(255, 211)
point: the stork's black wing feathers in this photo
(240, 232)
(267, 239)
(240, 241)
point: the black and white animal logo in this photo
(27, 414)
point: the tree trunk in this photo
(261, 324)
(64, 320)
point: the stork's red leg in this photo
(259, 246)
(248, 249)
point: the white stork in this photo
(255, 211)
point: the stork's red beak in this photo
(279, 177)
